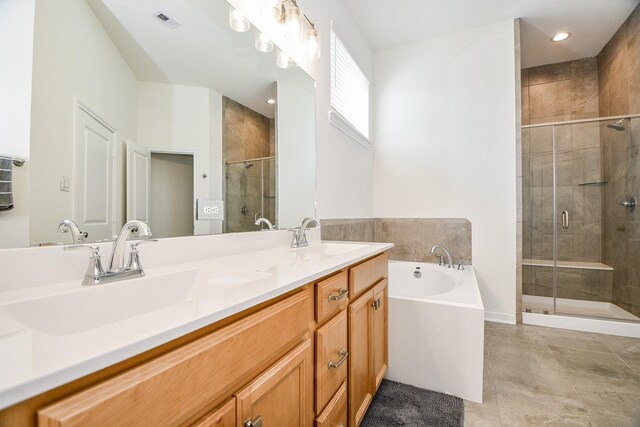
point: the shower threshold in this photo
(574, 307)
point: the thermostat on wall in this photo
(210, 209)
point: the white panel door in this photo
(138, 170)
(94, 210)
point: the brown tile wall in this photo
(247, 135)
(413, 237)
(558, 92)
(619, 70)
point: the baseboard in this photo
(491, 316)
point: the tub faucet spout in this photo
(446, 251)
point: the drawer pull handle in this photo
(343, 356)
(341, 294)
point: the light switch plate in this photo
(210, 209)
(65, 183)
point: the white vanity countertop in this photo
(53, 334)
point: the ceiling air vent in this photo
(166, 20)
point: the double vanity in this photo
(281, 336)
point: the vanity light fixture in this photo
(313, 44)
(560, 37)
(283, 60)
(270, 101)
(237, 21)
(263, 44)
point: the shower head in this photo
(248, 165)
(617, 125)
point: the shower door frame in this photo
(554, 312)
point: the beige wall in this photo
(74, 60)
(619, 70)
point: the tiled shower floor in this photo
(536, 376)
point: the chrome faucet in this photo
(117, 270)
(117, 256)
(446, 251)
(262, 220)
(299, 239)
(69, 226)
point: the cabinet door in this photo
(282, 395)
(380, 332)
(360, 357)
(224, 416)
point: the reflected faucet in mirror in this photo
(117, 271)
(265, 221)
(69, 226)
(299, 239)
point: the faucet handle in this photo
(95, 272)
(134, 257)
(461, 264)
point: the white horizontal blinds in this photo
(349, 88)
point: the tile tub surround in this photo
(542, 376)
(413, 237)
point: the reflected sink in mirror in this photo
(331, 249)
(92, 307)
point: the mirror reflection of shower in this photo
(617, 125)
(248, 145)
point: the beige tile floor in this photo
(535, 376)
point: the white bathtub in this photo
(436, 329)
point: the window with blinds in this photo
(349, 94)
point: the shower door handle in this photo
(565, 219)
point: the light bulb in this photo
(263, 44)
(269, 9)
(283, 60)
(237, 21)
(292, 22)
(313, 44)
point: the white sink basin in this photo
(95, 306)
(331, 248)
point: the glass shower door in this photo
(538, 219)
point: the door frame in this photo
(81, 105)
(196, 188)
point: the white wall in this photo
(344, 169)
(445, 145)
(16, 45)
(73, 59)
(296, 182)
(175, 117)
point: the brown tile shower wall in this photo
(247, 135)
(559, 92)
(413, 237)
(619, 70)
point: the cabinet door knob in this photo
(343, 356)
(376, 304)
(341, 294)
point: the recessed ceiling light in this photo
(560, 36)
(271, 101)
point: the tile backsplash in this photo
(413, 237)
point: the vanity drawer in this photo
(368, 273)
(335, 414)
(331, 357)
(175, 386)
(332, 295)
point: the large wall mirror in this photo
(157, 110)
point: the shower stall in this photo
(250, 193)
(581, 225)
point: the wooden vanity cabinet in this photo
(314, 355)
(368, 333)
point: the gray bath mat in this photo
(397, 404)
